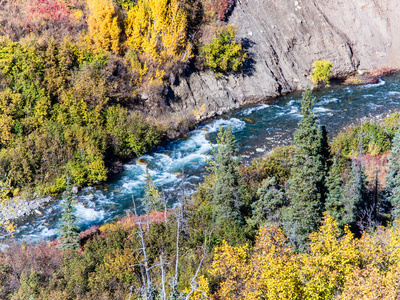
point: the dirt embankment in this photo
(283, 38)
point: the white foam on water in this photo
(102, 198)
(392, 93)
(374, 85)
(250, 110)
(321, 109)
(164, 169)
(43, 232)
(374, 105)
(327, 101)
(133, 185)
(368, 96)
(88, 214)
(236, 124)
(135, 167)
(165, 178)
(294, 110)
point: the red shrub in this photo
(49, 10)
(383, 71)
(89, 233)
(43, 258)
(220, 8)
(154, 217)
(43, 18)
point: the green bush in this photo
(375, 140)
(56, 117)
(224, 53)
(392, 123)
(130, 133)
(321, 72)
(274, 165)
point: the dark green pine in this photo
(354, 194)
(227, 189)
(306, 188)
(266, 210)
(334, 204)
(393, 177)
(68, 229)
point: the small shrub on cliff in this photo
(321, 72)
(224, 53)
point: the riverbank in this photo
(283, 39)
(259, 126)
(22, 208)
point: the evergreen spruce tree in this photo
(334, 204)
(152, 200)
(68, 229)
(354, 194)
(267, 209)
(152, 195)
(226, 186)
(324, 153)
(393, 178)
(307, 190)
(345, 201)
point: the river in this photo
(258, 128)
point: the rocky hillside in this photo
(283, 38)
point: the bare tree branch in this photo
(206, 247)
(148, 281)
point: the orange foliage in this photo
(130, 221)
(383, 71)
(103, 22)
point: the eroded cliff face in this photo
(283, 38)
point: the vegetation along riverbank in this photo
(304, 208)
(87, 85)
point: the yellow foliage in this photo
(321, 72)
(336, 267)
(157, 29)
(277, 266)
(9, 104)
(120, 264)
(200, 112)
(5, 189)
(103, 23)
(9, 227)
(231, 264)
(78, 14)
(203, 289)
(331, 262)
(136, 66)
(379, 279)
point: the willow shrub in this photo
(372, 137)
(321, 72)
(224, 54)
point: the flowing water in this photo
(258, 128)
